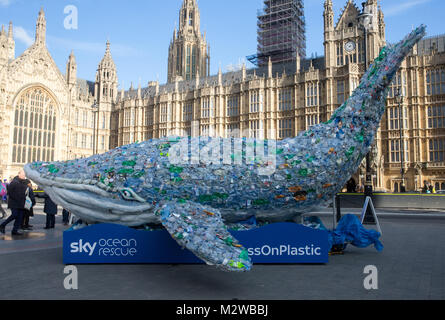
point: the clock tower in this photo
(344, 42)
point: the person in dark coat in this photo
(16, 202)
(50, 208)
(29, 213)
(351, 186)
(65, 217)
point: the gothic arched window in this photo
(193, 62)
(191, 19)
(188, 64)
(35, 118)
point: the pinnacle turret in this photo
(71, 70)
(41, 28)
(7, 44)
(188, 53)
(10, 31)
(106, 77)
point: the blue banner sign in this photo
(112, 243)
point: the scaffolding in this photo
(281, 32)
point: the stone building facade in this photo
(46, 115)
(280, 100)
(275, 101)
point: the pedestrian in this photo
(65, 217)
(431, 188)
(3, 192)
(16, 202)
(425, 188)
(3, 195)
(29, 213)
(50, 208)
(351, 186)
(2, 211)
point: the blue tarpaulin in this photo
(349, 230)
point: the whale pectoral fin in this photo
(201, 230)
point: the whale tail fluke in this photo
(382, 71)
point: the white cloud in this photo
(403, 6)
(93, 47)
(22, 35)
(5, 3)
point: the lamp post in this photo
(95, 109)
(68, 144)
(399, 100)
(365, 19)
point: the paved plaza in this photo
(411, 266)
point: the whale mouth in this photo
(91, 203)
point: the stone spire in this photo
(41, 28)
(106, 77)
(328, 15)
(189, 17)
(243, 72)
(3, 47)
(381, 23)
(219, 77)
(11, 42)
(71, 70)
(107, 63)
(10, 33)
(7, 45)
(107, 56)
(188, 54)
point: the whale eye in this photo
(131, 195)
(127, 194)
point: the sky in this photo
(140, 31)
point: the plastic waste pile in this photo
(176, 180)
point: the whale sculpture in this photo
(195, 186)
